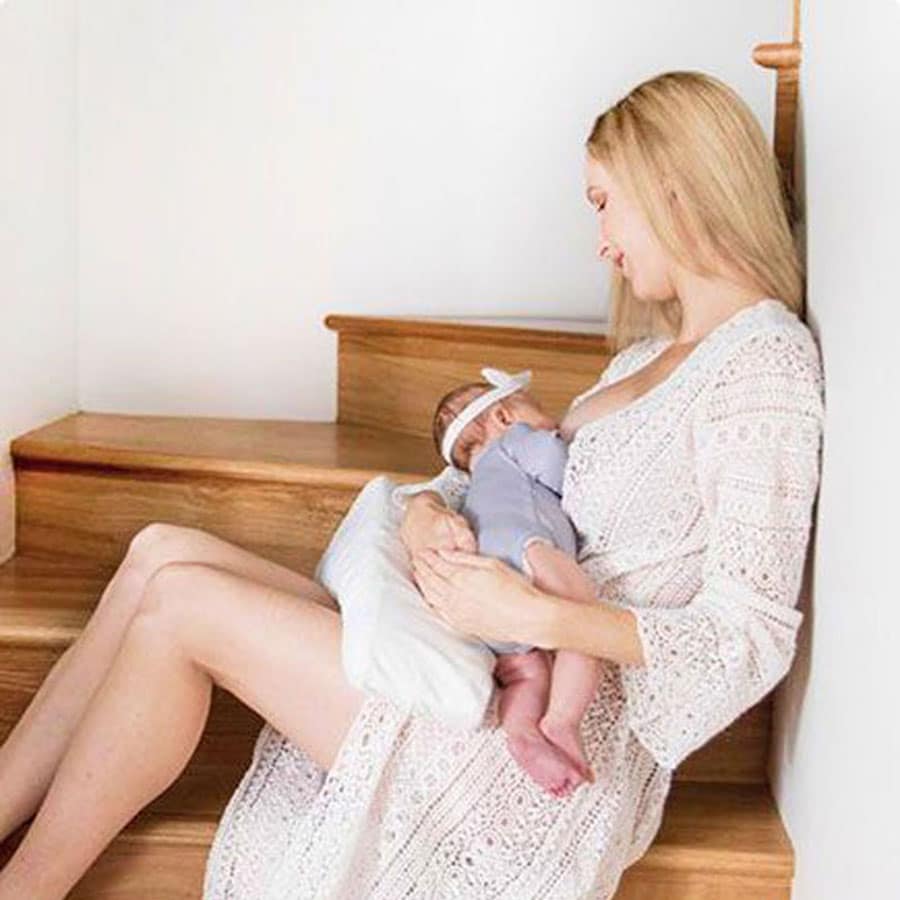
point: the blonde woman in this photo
(692, 473)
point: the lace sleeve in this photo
(451, 483)
(757, 441)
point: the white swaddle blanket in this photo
(392, 643)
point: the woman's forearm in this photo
(600, 629)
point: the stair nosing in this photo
(672, 862)
(468, 332)
(33, 452)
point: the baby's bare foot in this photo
(550, 767)
(566, 736)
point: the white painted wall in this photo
(37, 226)
(247, 168)
(835, 765)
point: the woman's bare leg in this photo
(197, 625)
(32, 750)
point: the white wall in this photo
(37, 226)
(835, 765)
(247, 168)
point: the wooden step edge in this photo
(32, 452)
(41, 626)
(734, 830)
(159, 828)
(574, 335)
(667, 863)
(702, 853)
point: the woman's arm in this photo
(757, 438)
(484, 596)
(600, 629)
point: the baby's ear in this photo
(504, 414)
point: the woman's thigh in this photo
(161, 543)
(274, 649)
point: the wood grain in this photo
(558, 335)
(715, 842)
(44, 604)
(88, 515)
(279, 451)
(394, 381)
(223, 750)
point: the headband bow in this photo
(503, 383)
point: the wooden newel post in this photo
(784, 58)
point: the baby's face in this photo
(475, 437)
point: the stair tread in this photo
(583, 335)
(47, 601)
(256, 449)
(732, 828)
(708, 830)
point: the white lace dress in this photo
(693, 506)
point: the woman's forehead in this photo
(596, 176)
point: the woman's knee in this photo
(163, 597)
(158, 544)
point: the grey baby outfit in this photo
(514, 493)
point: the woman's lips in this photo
(619, 259)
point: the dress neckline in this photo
(679, 370)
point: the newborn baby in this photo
(516, 458)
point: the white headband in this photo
(504, 385)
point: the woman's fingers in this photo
(464, 538)
(432, 585)
(427, 572)
(462, 557)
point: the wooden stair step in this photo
(87, 483)
(44, 604)
(393, 370)
(274, 450)
(715, 841)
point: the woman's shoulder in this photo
(765, 336)
(765, 358)
(632, 356)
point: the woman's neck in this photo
(706, 302)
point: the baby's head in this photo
(488, 424)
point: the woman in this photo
(691, 478)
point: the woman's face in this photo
(626, 239)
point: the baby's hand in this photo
(430, 525)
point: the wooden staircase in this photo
(85, 484)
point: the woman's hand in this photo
(483, 596)
(429, 525)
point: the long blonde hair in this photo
(698, 166)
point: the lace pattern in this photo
(692, 507)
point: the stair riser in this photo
(638, 886)
(225, 748)
(737, 755)
(144, 871)
(93, 515)
(394, 382)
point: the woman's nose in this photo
(603, 247)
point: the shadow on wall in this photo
(792, 692)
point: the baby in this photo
(516, 458)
